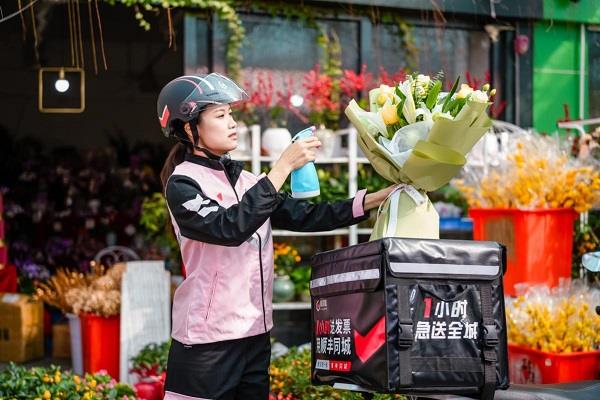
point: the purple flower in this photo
(34, 271)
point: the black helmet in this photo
(182, 99)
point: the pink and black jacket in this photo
(222, 217)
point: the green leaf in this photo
(433, 94)
(400, 94)
(399, 108)
(449, 97)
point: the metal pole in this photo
(255, 130)
(582, 45)
(352, 178)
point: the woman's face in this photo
(217, 129)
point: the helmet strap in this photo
(194, 128)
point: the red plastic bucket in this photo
(101, 343)
(538, 242)
(534, 366)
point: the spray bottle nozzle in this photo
(303, 134)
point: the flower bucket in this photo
(101, 343)
(76, 346)
(150, 388)
(533, 366)
(538, 242)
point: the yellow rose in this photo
(389, 114)
(464, 91)
(385, 93)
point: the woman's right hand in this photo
(293, 157)
(297, 154)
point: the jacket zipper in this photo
(212, 295)
(262, 280)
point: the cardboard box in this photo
(21, 328)
(61, 340)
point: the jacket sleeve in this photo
(304, 216)
(202, 218)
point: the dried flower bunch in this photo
(54, 292)
(97, 292)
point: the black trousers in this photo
(229, 370)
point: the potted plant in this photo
(150, 364)
(286, 259)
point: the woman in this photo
(222, 216)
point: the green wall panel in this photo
(565, 10)
(555, 73)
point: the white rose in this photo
(423, 80)
(479, 96)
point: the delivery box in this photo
(410, 316)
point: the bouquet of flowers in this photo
(417, 135)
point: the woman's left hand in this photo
(373, 200)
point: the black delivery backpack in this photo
(410, 316)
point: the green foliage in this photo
(369, 179)
(151, 359)
(224, 9)
(405, 34)
(155, 221)
(17, 382)
(301, 278)
(334, 186)
(290, 378)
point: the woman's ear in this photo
(188, 132)
(187, 129)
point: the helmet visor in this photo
(215, 89)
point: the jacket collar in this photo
(233, 168)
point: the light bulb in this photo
(296, 100)
(61, 85)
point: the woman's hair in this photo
(177, 153)
(175, 157)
